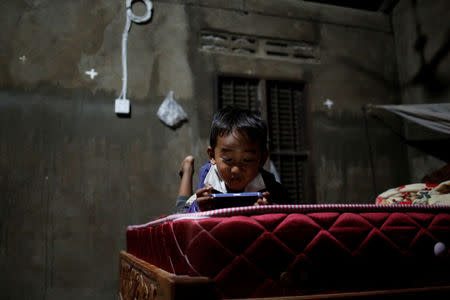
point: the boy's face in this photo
(238, 159)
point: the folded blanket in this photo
(416, 193)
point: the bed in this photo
(289, 250)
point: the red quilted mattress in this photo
(283, 250)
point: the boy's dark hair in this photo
(231, 118)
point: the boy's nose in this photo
(235, 170)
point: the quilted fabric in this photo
(304, 250)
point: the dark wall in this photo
(422, 37)
(73, 175)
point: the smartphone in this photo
(235, 199)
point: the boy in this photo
(237, 153)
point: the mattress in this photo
(283, 250)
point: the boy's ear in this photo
(210, 152)
(264, 157)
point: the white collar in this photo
(213, 178)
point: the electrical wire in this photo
(136, 19)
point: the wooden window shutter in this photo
(287, 135)
(241, 92)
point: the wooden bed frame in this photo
(143, 281)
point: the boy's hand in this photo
(263, 200)
(204, 199)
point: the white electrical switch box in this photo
(122, 106)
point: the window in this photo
(282, 105)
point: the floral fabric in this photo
(416, 193)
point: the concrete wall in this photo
(74, 175)
(422, 38)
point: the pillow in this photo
(416, 193)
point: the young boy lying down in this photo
(237, 153)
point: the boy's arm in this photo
(201, 200)
(204, 199)
(264, 200)
(180, 206)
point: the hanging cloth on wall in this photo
(434, 116)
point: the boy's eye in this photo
(249, 160)
(226, 159)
